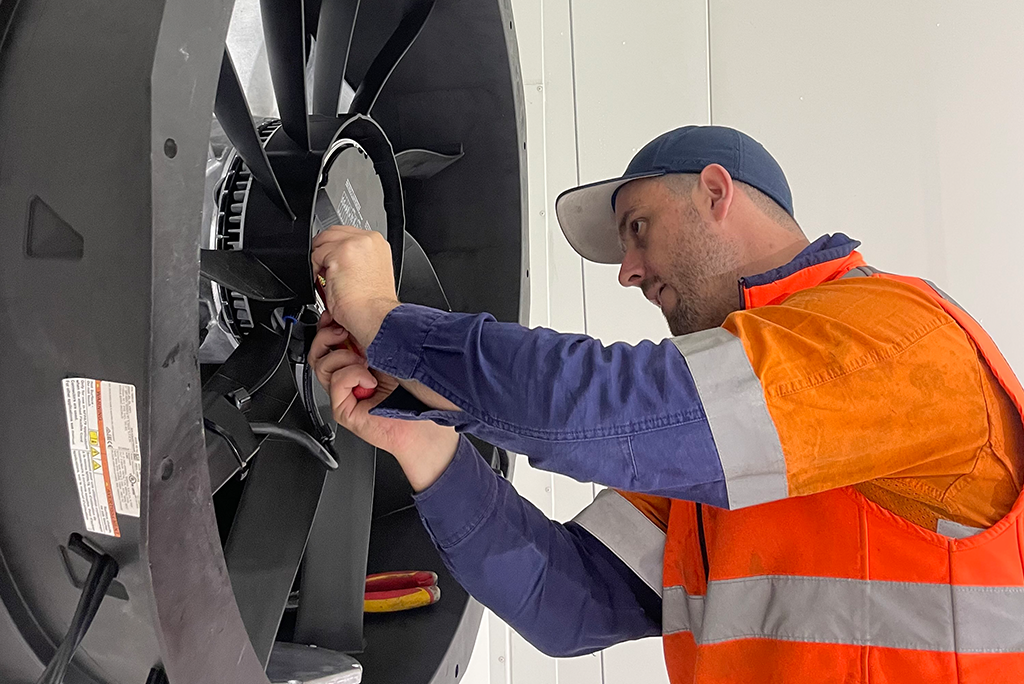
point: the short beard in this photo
(703, 277)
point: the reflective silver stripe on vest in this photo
(907, 615)
(945, 296)
(859, 272)
(862, 271)
(627, 533)
(748, 445)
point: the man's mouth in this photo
(654, 295)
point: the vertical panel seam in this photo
(583, 268)
(544, 152)
(707, 19)
(576, 140)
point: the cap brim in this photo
(588, 221)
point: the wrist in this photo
(366, 329)
(426, 459)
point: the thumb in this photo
(346, 383)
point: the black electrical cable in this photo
(101, 573)
(284, 354)
(303, 439)
(226, 436)
(309, 403)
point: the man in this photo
(816, 479)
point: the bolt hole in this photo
(456, 670)
(166, 469)
(170, 148)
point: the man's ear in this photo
(717, 185)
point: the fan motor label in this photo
(350, 209)
(103, 430)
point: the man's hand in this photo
(422, 448)
(360, 289)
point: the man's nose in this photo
(631, 272)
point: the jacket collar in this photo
(827, 258)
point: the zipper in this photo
(703, 542)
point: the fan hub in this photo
(339, 186)
(349, 192)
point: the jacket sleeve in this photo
(623, 416)
(844, 383)
(539, 576)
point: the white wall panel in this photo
(563, 267)
(556, 300)
(634, 662)
(556, 274)
(639, 73)
(623, 102)
(898, 123)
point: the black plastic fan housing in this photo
(155, 233)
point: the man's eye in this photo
(637, 227)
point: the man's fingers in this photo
(325, 320)
(326, 241)
(320, 254)
(325, 341)
(333, 234)
(342, 401)
(335, 361)
(342, 383)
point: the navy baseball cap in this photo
(587, 213)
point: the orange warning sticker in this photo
(103, 432)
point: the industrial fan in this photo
(133, 175)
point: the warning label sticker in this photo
(103, 430)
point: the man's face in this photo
(682, 263)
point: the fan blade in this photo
(242, 272)
(330, 611)
(420, 284)
(284, 29)
(268, 536)
(333, 41)
(234, 117)
(389, 57)
(259, 356)
(312, 8)
(299, 663)
(421, 164)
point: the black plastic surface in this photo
(285, 35)
(105, 112)
(423, 645)
(337, 20)
(333, 580)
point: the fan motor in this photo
(229, 229)
(348, 192)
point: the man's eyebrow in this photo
(625, 220)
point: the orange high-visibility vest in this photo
(831, 587)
